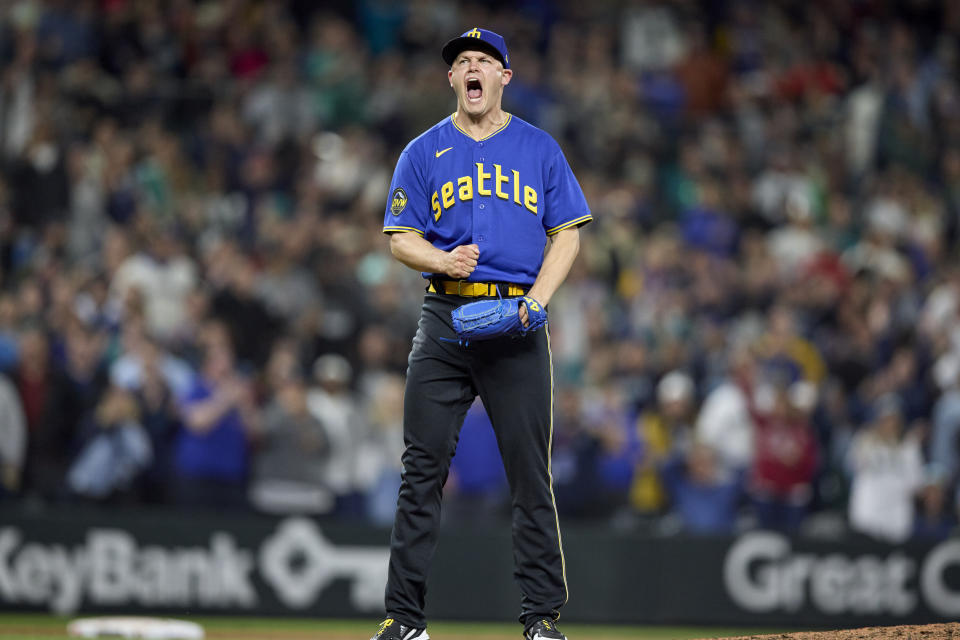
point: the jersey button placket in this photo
(479, 205)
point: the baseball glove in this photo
(487, 319)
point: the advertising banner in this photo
(130, 562)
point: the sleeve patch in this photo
(398, 201)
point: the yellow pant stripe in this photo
(563, 561)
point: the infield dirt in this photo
(920, 632)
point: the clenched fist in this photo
(461, 261)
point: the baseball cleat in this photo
(543, 629)
(390, 629)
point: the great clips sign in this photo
(768, 573)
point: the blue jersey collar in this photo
(453, 120)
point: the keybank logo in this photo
(764, 574)
(299, 562)
(111, 568)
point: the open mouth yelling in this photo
(474, 90)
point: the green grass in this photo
(48, 627)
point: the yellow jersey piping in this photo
(401, 229)
(453, 119)
(574, 222)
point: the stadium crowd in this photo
(198, 308)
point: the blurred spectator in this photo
(477, 485)
(379, 361)
(252, 327)
(619, 449)
(703, 73)
(285, 285)
(666, 431)
(901, 377)
(797, 243)
(706, 226)
(280, 108)
(575, 456)
(934, 520)
(84, 364)
(334, 64)
(289, 469)
(283, 365)
(877, 253)
(887, 470)
(13, 439)
(385, 446)
(142, 355)
(784, 349)
(835, 427)
(212, 455)
(164, 275)
(725, 423)
(157, 403)
(52, 412)
(8, 332)
(704, 493)
(115, 451)
(20, 87)
(785, 459)
(945, 425)
(39, 184)
(652, 36)
(332, 403)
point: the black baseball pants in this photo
(513, 377)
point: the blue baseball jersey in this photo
(505, 193)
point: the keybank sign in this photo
(764, 574)
(110, 568)
(71, 562)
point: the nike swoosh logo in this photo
(440, 153)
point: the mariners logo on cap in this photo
(398, 201)
(477, 39)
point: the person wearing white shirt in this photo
(887, 470)
(725, 423)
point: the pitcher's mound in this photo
(917, 632)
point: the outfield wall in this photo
(134, 562)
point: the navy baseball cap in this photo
(477, 40)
